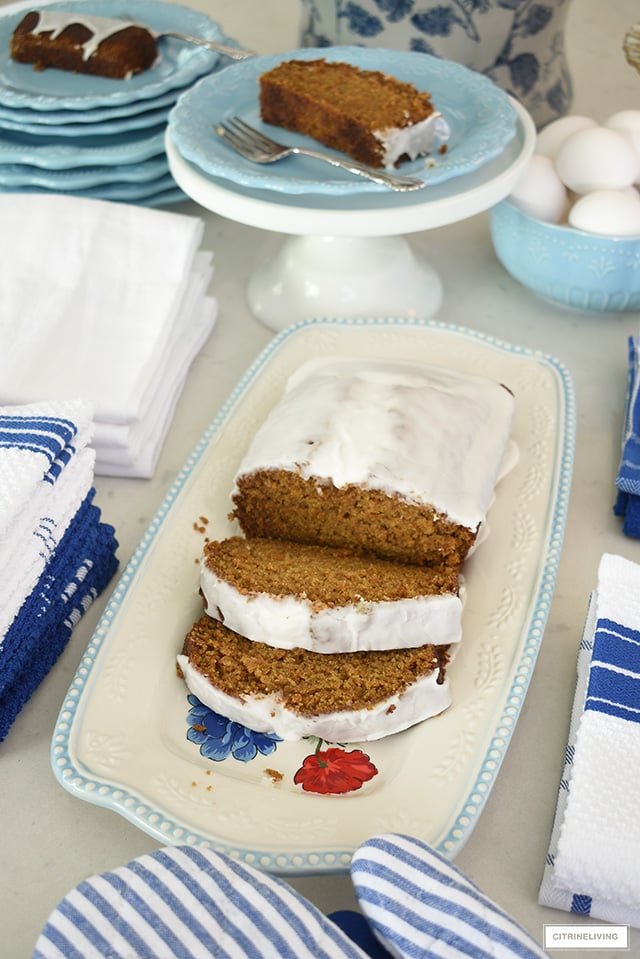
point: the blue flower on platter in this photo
(219, 737)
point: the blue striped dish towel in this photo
(592, 866)
(627, 504)
(55, 554)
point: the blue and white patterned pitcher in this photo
(518, 43)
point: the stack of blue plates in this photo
(89, 136)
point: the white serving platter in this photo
(129, 739)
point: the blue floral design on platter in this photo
(518, 43)
(220, 738)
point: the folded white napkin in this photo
(94, 298)
(132, 449)
(592, 866)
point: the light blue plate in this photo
(47, 152)
(80, 131)
(17, 175)
(162, 193)
(179, 63)
(53, 120)
(480, 116)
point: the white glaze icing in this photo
(425, 698)
(101, 27)
(288, 622)
(420, 432)
(415, 140)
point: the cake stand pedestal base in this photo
(346, 277)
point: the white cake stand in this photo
(347, 256)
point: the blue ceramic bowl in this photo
(579, 270)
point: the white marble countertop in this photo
(52, 840)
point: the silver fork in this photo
(224, 49)
(255, 146)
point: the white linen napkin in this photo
(94, 297)
(592, 866)
(132, 449)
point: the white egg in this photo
(540, 191)
(607, 212)
(550, 138)
(597, 158)
(627, 122)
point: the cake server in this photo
(254, 145)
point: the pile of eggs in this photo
(586, 175)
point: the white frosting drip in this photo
(425, 698)
(415, 140)
(288, 622)
(55, 21)
(421, 432)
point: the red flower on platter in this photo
(334, 771)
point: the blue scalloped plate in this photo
(481, 118)
(18, 175)
(129, 736)
(49, 153)
(160, 191)
(178, 65)
(126, 124)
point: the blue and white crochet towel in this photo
(46, 471)
(56, 555)
(193, 903)
(592, 866)
(78, 571)
(627, 504)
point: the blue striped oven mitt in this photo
(186, 902)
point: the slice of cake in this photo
(83, 43)
(366, 114)
(390, 458)
(347, 697)
(327, 600)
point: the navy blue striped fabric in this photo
(581, 905)
(614, 675)
(48, 435)
(628, 479)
